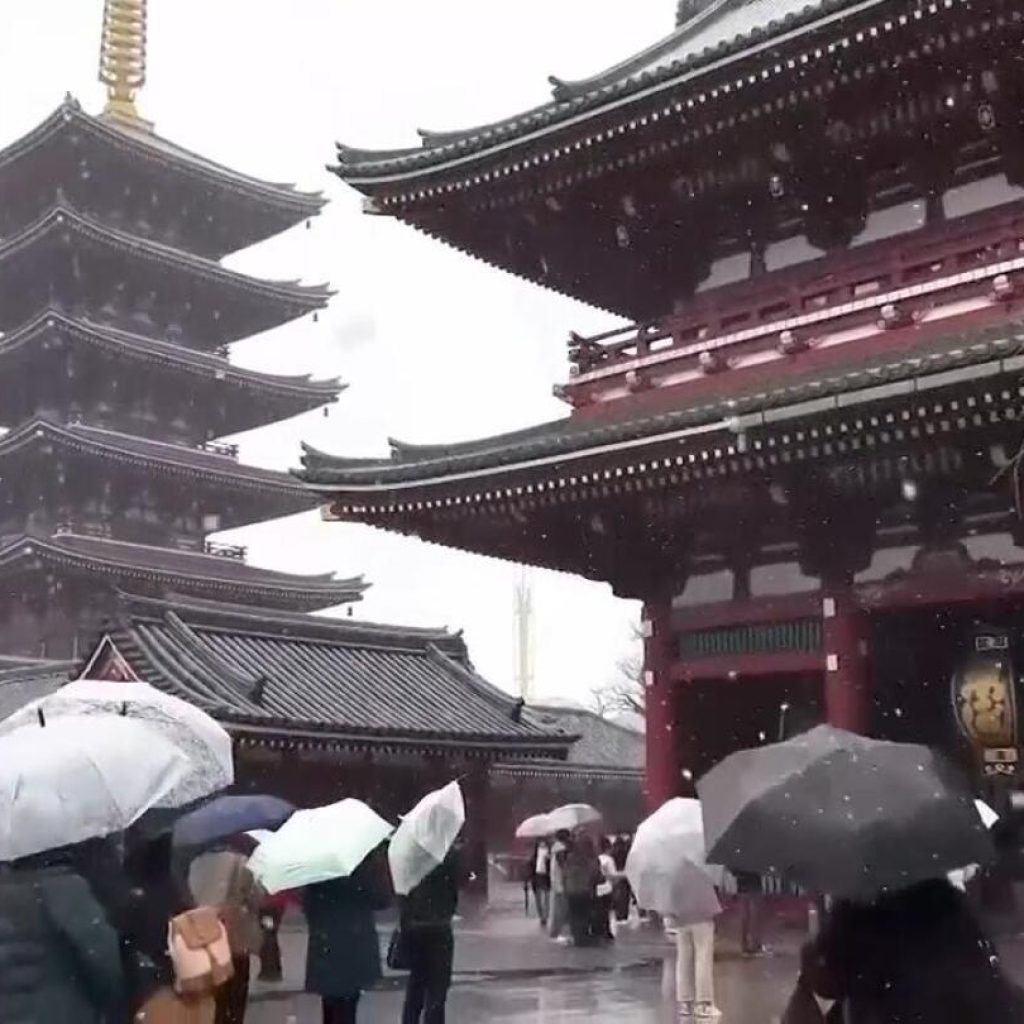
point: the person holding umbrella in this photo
(426, 870)
(331, 852)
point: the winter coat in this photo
(59, 956)
(916, 956)
(343, 955)
(435, 900)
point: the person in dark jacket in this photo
(582, 877)
(343, 955)
(59, 955)
(916, 955)
(622, 894)
(426, 927)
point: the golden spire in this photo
(123, 57)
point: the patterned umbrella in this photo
(203, 740)
(63, 784)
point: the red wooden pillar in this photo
(664, 773)
(846, 645)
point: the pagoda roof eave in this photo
(157, 456)
(186, 571)
(150, 146)
(310, 392)
(578, 102)
(579, 440)
(63, 217)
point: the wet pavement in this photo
(749, 992)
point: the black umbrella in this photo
(842, 814)
(230, 815)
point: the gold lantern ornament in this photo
(985, 701)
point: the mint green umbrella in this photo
(318, 845)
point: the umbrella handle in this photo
(41, 717)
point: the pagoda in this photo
(802, 449)
(116, 315)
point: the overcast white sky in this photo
(434, 345)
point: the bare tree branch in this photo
(624, 694)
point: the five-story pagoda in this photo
(115, 320)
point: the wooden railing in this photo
(236, 552)
(790, 306)
(229, 451)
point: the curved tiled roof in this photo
(578, 436)
(307, 392)
(272, 207)
(720, 32)
(601, 744)
(333, 678)
(265, 304)
(282, 492)
(186, 571)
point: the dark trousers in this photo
(603, 918)
(581, 918)
(341, 1009)
(270, 951)
(233, 996)
(429, 950)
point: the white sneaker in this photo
(706, 1011)
(563, 940)
(684, 1009)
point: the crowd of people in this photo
(86, 935)
(579, 886)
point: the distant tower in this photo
(524, 633)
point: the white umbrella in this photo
(424, 836)
(571, 816)
(536, 827)
(318, 845)
(961, 876)
(75, 780)
(205, 742)
(667, 867)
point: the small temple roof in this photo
(265, 304)
(601, 744)
(333, 679)
(172, 569)
(711, 34)
(158, 457)
(264, 208)
(23, 681)
(563, 445)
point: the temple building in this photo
(116, 316)
(802, 450)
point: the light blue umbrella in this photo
(318, 845)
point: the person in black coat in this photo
(59, 956)
(426, 927)
(916, 956)
(343, 955)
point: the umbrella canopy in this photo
(318, 845)
(424, 836)
(841, 814)
(74, 780)
(227, 816)
(571, 816)
(205, 742)
(961, 876)
(667, 867)
(536, 827)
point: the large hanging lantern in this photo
(985, 701)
